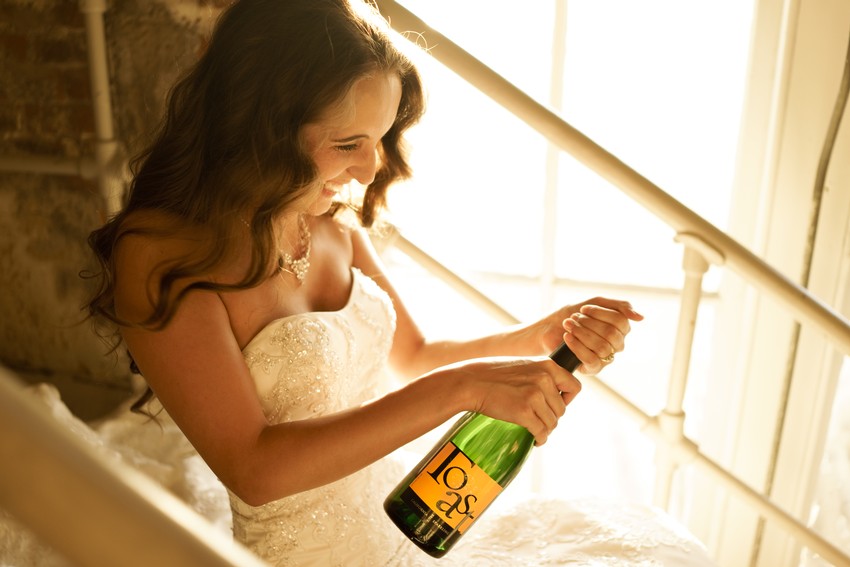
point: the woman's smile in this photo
(332, 189)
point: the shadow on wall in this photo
(43, 334)
(45, 220)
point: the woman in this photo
(263, 322)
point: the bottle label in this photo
(454, 488)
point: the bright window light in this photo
(660, 84)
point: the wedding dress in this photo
(316, 363)
(313, 364)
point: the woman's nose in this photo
(366, 166)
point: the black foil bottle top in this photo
(565, 358)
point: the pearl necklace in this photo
(298, 267)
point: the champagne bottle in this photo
(437, 502)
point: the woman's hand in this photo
(594, 330)
(533, 393)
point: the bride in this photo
(263, 322)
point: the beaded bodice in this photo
(306, 366)
(318, 363)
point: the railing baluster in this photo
(805, 306)
(671, 420)
(680, 449)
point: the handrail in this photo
(686, 450)
(96, 512)
(161, 530)
(800, 301)
(702, 240)
(392, 237)
(665, 429)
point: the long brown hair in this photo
(230, 142)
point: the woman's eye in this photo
(346, 148)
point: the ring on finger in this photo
(608, 359)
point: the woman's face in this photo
(344, 141)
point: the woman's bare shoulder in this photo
(151, 244)
(151, 241)
(160, 229)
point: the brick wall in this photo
(44, 85)
(46, 110)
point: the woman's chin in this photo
(322, 205)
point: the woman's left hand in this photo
(594, 330)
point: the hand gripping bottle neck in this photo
(448, 490)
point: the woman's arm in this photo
(195, 367)
(592, 329)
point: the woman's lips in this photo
(331, 189)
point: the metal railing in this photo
(667, 428)
(715, 245)
(135, 522)
(94, 511)
(704, 245)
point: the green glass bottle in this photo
(437, 502)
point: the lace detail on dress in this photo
(305, 366)
(325, 526)
(319, 363)
(301, 363)
(584, 532)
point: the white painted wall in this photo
(769, 405)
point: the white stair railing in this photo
(96, 512)
(704, 244)
(103, 513)
(667, 428)
(715, 245)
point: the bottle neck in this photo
(565, 358)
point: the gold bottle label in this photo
(454, 488)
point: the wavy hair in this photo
(230, 143)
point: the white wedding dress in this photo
(317, 363)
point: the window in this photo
(659, 84)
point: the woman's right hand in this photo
(533, 393)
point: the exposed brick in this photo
(20, 18)
(72, 120)
(86, 144)
(9, 118)
(82, 185)
(31, 115)
(70, 48)
(68, 14)
(44, 120)
(14, 47)
(31, 145)
(5, 86)
(80, 118)
(45, 110)
(72, 84)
